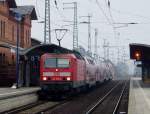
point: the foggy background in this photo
(114, 23)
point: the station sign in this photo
(138, 63)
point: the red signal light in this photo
(137, 55)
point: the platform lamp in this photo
(18, 18)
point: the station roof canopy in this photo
(140, 52)
(6, 45)
(49, 48)
(46, 48)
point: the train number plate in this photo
(56, 74)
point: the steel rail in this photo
(101, 100)
(119, 100)
(30, 106)
(22, 108)
(52, 107)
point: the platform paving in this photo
(12, 98)
(10, 92)
(139, 97)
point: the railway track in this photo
(16, 110)
(79, 104)
(110, 103)
(35, 108)
(107, 99)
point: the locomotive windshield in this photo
(63, 63)
(56, 63)
(51, 63)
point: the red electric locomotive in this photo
(71, 72)
(62, 72)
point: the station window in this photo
(27, 37)
(1, 29)
(13, 59)
(1, 58)
(13, 33)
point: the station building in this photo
(10, 28)
(141, 54)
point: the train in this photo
(72, 71)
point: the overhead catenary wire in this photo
(52, 8)
(99, 6)
(37, 9)
(129, 13)
(80, 42)
(112, 20)
(109, 8)
(58, 10)
(53, 22)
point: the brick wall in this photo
(8, 28)
(8, 35)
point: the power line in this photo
(98, 4)
(56, 6)
(37, 8)
(112, 19)
(108, 5)
(111, 23)
(58, 10)
(79, 41)
(129, 13)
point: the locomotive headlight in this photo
(68, 78)
(65, 74)
(44, 78)
(48, 73)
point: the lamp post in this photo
(18, 18)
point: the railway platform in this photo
(139, 97)
(12, 98)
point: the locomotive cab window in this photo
(63, 63)
(57, 63)
(51, 63)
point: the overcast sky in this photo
(121, 11)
